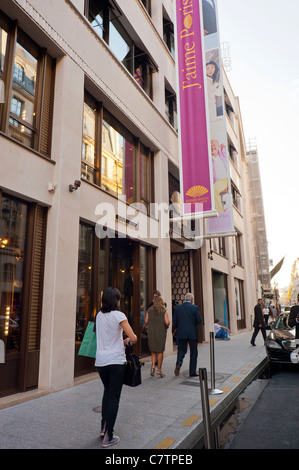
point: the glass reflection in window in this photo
(84, 290)
(121, 44)
(117, 159)
(22, 110)
(95, 16)
(13, 219)
(88, 145)
(3, 42)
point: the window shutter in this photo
(47, 106)
(37, 279)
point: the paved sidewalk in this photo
(159, 414)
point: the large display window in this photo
(22, 245)
(113, 158)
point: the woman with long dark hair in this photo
(111, 359)
(214, 88)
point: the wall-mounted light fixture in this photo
(210, 255)
(75, 186)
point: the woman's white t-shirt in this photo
(110, 344)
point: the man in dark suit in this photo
(259, 322)
(294, 322)
(186, 318)
(294, 317)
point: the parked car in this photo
(280, 342)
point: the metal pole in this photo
(213, 390)
(209, 444)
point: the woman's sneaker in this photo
(110, 442)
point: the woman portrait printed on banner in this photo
(215, 89)
(220, 173)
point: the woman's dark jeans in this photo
(112, 377)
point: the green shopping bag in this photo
(89, 343)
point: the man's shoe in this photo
(252, 344)
(110, 442)
(102, 433)
(194, 375)
(177, 370)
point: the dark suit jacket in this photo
(185, 320)
(258, 317)
(292, 319)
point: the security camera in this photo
(75, 186)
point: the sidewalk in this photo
(159, 414)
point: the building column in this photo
(163, 260)
(61, 259)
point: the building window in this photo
(237, 252)
(3, 44)
(236, 196)
(26, 88)
(218, 245)
(147, 5)
(105, 19)
(171, 108)
(118, 154)
(88, 144)
(112, 158)
(168, 35)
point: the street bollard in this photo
(208, 437)
(213, 390)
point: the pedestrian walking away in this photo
(111, 359)
(157, 322)
(186, 319)
(259, 322)
(221, 332)
(266, 313)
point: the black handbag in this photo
(133, 368)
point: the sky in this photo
(264, 48)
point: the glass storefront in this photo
(13, 220)
(117, 262)
(22, 244)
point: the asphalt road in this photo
(267, 415)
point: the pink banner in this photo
(196, 184)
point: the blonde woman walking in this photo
(157, 322)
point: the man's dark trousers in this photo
(182, 350)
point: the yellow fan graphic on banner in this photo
(197, 191)
(188, 21)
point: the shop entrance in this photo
(112, 262)
(121, 273)
(186, 277)
(220, 298)
(131, 272)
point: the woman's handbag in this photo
(88, 346)
(133, 369)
